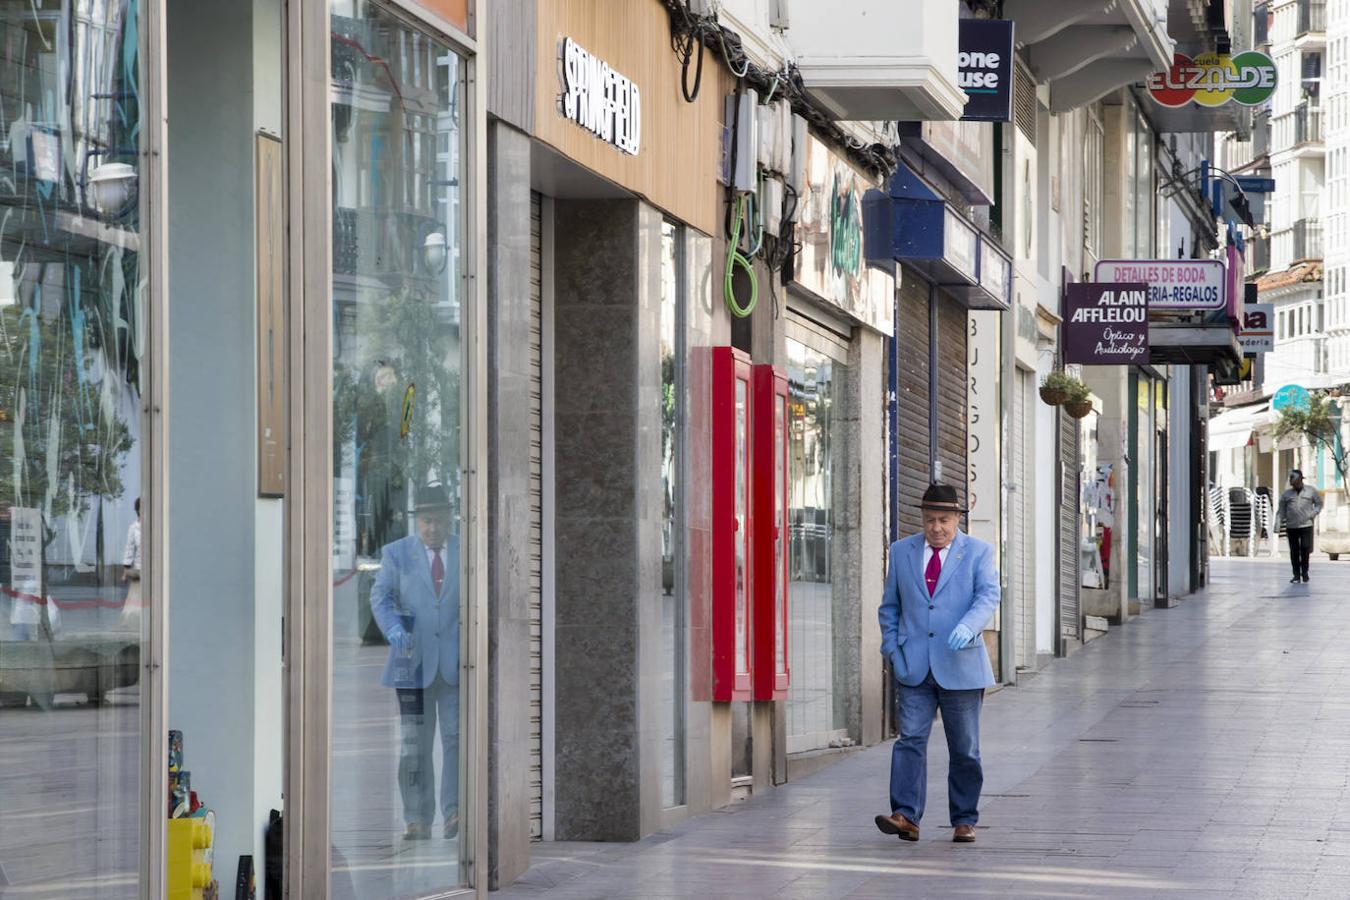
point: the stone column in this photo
(597, 755)
(508, 507)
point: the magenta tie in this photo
(437, 572)
(930, 575)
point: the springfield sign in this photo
(599, 99)
(1106, 324)
(1182, 285)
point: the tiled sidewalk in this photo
(1201, 751)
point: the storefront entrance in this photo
(398, 541)
(240, 422)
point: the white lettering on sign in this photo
(1114, 307)
(978, 70)
(1129, 344)
(599, 99)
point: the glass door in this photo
(72, 375)
(399, 641)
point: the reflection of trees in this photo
(395, 180)
(68, 370)
(60, 433)
(401, 341)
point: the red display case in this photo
(770, 537)
(732, 498)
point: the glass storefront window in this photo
(815, 714)
(71, 281)
(672, 549)
(397, 768)
(1146, 490)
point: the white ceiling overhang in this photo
(1084, 49)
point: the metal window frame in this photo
(308, 638)
(154, 451)
(679, 809)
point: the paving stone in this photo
(1198, 752)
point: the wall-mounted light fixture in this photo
(434, 252)
(112, 187)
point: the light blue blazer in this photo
(403, 588)
(915, 627)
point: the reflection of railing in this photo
(1260, 254)
(810, 532)
(345, 247)
(1301, 126)
(1307, 124)
(1307, 239)
(1312, 16)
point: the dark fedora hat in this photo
(941, 497)
(431, 497)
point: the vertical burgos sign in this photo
(599, 99)
(984, 69)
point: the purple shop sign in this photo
(1106, 324)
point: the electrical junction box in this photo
(746, 136)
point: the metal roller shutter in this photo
(1070, 610)
(1021, 513)
(536, 499)
(952, 385)
(911, 338)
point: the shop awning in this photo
(1233, 428)
(1188, 343)
(912, 224)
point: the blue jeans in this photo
(909, 757)
(420, 711)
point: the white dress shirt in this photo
(132, 557)
(928, 555)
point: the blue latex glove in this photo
(961, 636)
(400, 640)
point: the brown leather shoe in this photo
(899, 826)
(964, 834)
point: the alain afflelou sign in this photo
(1105, 324)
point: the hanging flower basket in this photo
(1078, 409)
(1054, 396)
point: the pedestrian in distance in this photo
(131, 571)
(941, 590)
(415, 601)
(1299, 507)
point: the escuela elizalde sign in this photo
(1106, 324)
(1213, 79)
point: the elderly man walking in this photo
(941, 590)
(1299, 506)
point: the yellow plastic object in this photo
(188, 870)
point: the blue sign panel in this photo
(1291, 396)
(1253, 185)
